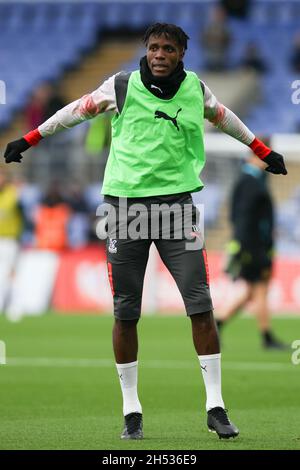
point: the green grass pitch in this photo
(60, 390)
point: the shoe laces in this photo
(133, 422)
(221, 415)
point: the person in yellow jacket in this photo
(10, 231)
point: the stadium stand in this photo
(67, 30)
(68, 37)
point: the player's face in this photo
(163, 55)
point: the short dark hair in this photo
(169, 30)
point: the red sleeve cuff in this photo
(259, 148)
(33, 137)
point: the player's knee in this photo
(203, 319)
(126, 324)
(128, 307)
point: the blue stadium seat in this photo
(45, 38)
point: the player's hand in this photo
(14, 149)
(275, 163)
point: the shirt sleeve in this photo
(88, 106)
(224, 119)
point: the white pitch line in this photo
(57, 362)
(155, 364)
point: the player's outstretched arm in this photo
(88, 106)
(228, 122)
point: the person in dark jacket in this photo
(251, 250)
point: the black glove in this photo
(14, 149)
(276, 163)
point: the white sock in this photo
(211, 373)
(128, 381)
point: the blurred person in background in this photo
(35, 110)
(51, 221)
(11, 222)
(252, 59)
(236, 8)
(295, 55)
(97, 143)
(54, 102)
(156, 156)
(30, 195)
(80, 222)
(216, 39)
(251, 250)
(93, 199)
(45, 101)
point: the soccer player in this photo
(156, 156)
(251, 250)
